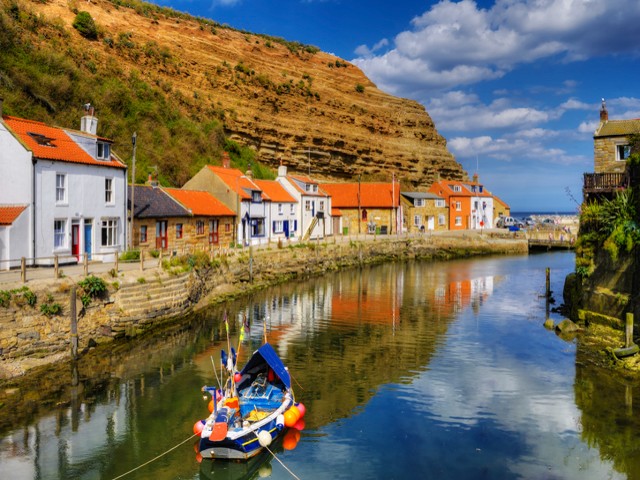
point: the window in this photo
(200, 227)
(307, 204)
(256, 197)
(143, 234)
(293, 209)
(440, 202)
(227, 227)
(441, 220)
(364, 215)
(110, 232)
(623, 152)
(315, 188)
(61, 188)
(278, 226)
(104, 151)
(321, 207)
(418, 202)
(458, 206)
(59, 234)
(108, 191)
(307, 187)
(458, 221)
(417, 220)
(279, 209)
(456, 188)
(178, 230)
(257, 227)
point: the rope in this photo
(156, 458)
(283, 465)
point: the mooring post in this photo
(548, 283)
(74, 322)
(628, 331)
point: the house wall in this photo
(190, 241)
(604, 154)
(85, 205)
(379, 216)
(464, 213)
(12, 242)
(288, 215)
(429, 210)
(481, 213)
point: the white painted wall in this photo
(13, 242)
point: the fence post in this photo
(116, 262)
(629, 330)
(160, 258)
(23, 269)
(141, 260)
(56, 273)
(86, 264)
(74, 322)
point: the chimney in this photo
(249, 173)
(475, 178)
(226, 161)
(604, 115)
(89, 123)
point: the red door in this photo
(213, 231)
(161, 234)
(75, 241)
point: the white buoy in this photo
(280, 421)
(264, 438)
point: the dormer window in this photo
(104, 151)
(307, 187)
(315, 188)
(256, 197)
(457, 188)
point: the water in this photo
(414, 370)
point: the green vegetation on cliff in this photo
(46, 77)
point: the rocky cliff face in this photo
(312, 110)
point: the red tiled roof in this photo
(372, 195)
(445, 189)
(274, 191)
(54, 143)
(336, 212)
(200, 203)
(9, 213)
(235, 180)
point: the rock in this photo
(548, 324)
(566, 326)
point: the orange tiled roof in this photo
(372, 195)
(445, 188)
(235, 180)
(53, 143)
(200, 203)
(274, 191)
(9, 213)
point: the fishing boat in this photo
(253, 408)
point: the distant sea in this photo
(542, 214)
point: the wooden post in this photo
(56, 273)
(141, 260)
(160, 258)
(116, 266)
(85, 261)
(628, 331)
(548, 283)
(23, 269)
(74, 322)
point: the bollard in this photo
(86, 264)
(628, 331)
(548, 283)
(23, 269)
(56, 273)
(115, 267)
(74, 322)
(141, 260)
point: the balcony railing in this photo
(605, 182)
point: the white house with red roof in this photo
(14, 229)
(282, 211)
(314, 204)
(72, 184)
(470, 204)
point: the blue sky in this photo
(515, 86)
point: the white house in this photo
(314, 205)
(73, 186)
(282, 211)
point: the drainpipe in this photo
(34, 161)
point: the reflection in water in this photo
(408, 370)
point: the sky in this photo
(514, 86)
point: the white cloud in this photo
(225, 3)
(458, 43)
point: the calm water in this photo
(418, 370)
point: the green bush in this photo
(49, 307)
(360, 88)
(130, 256)
(85, 25)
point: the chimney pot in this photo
(604, 114)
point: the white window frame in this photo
(307, 205)
(109, 197)
(623, 150)
(59, 234)
(440, 202)
(442, 220)
(109, 226)
(293, 209)
(280, 209)
(457, 188)
(458, 206)
(418, 202)
(417, 220)
(103, 151)
(61, 188)
(278, 226)
(458, 221)
(321, 206)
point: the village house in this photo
(367, 207)
(500, 208)
(611, 149)
(239, 193)
(70, 189)
(174, 220)
(282, 212)
(423, 211)
(470, 205)
(314, 204)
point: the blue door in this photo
(87, 240)
(285, 228)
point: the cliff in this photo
(153, 70)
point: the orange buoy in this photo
(210, 406)
(296, 411)
(198, 426)
(291, 439)
(290, 418)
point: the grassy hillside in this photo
(46, 76)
